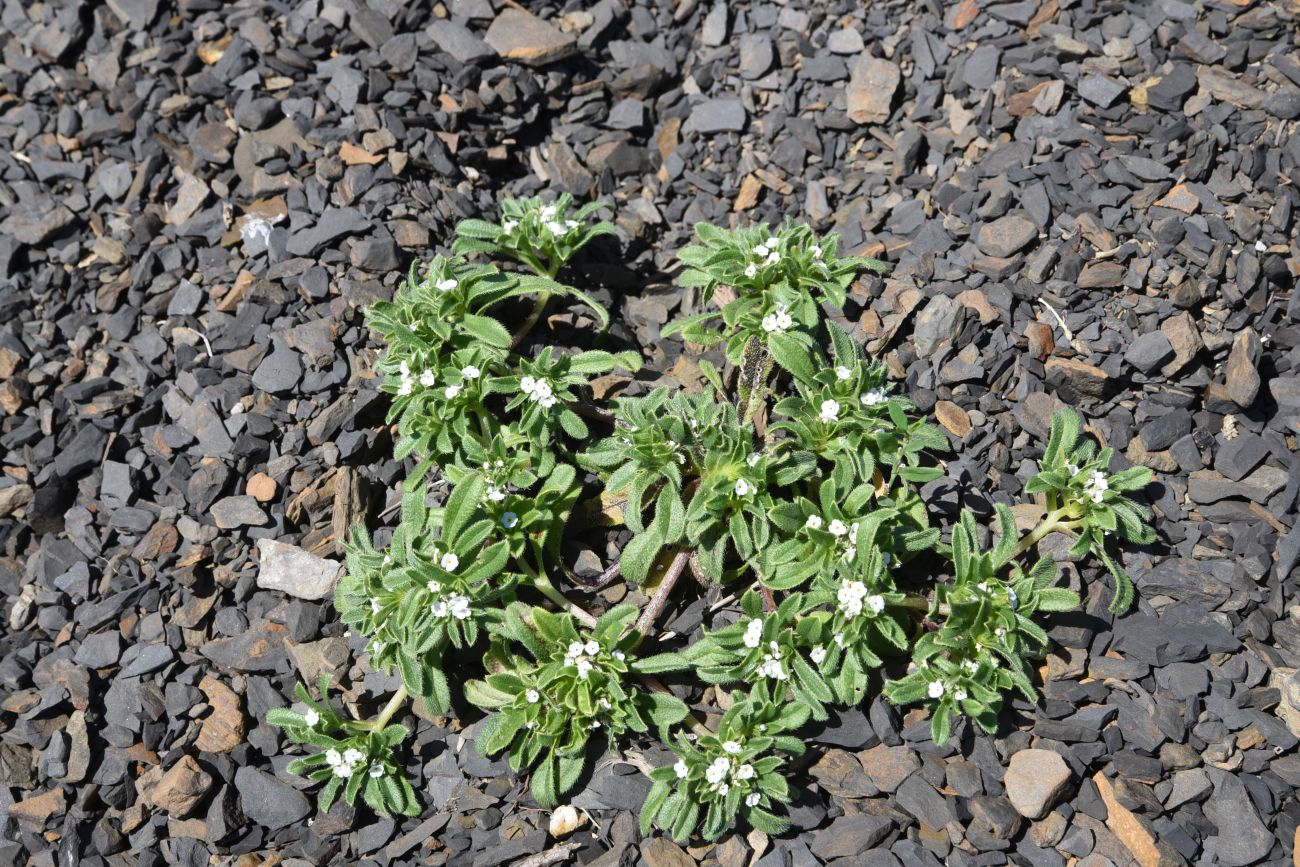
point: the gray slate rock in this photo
(1243, 838)
(1149, 352)
(335, 223)
(460, 42)
(718, 115)
(269, 802)
(1239, 455)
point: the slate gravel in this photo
(1084, 203)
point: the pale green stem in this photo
(1051, 523)
(394, 704)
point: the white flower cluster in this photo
(778, 322)
(852, 595)
(772, 666)
(846, 535)
(722, 773)
(347, 762)
(753, 633)
(767, 255)
(453, 605)
(580, 655)
(551, 220)
(830, 411)
(874, 397)
(407, 381)
(538, 390)
(1097, 486)
(744, 487)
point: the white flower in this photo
(1097, 486)
(873, 397)
(814, 522)
(751, 800)
(971, 665)
(762, 249)
(876, 603)
(816, 251)
(548, 212)
(509, 520)
(439, 608)
(496, 495)
(839, 639)
(449, 562)
(343, 771)
(1074, 469)
(376, 771)
(745, 772)
(772, 258)
(681, 770)
(843, 372)
(850, 596)
(753, 633)
(592, 647)
(451, 391)
(533, 696)
(619, 655)
(817, 654)
(751, 270)
(434, 587)
(717, 772)
(723, 788)
(936, 688)
(333, 757)
(469, 371)
(510, 225)
(743, 488)
(584, 667)
(374, 606)
(555, 228)
(837, 527)
(427, 379)
(595, 724)
(830, 410)
(570, 224)
(575, 648)
(311, 717)
(783, 320)
(960, 695)
(353, 755)
(771, 667)
(732, 747)
(459, 606)
(527, 384)
(753, 459)
(853, 531)
(769, 322)
(446, 285)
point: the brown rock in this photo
(1080, 376)
(182, 787)
(1242, 377)
(1131, 831)
(14, 498)
(353, 155)
(1180, 198)
(261, 487)
(521, 36)
(1183, 337)
(840, 773)
(410, 235)
(8, 362)
(964, 13)
(872, 85)
(747, 198)
(1035, 781)
(1106, 274)
(662, 852)
(1007, 235)
(223, 729)
(34, 810)
(1041, 342)
(976, 300)
(887, 767)
(953, 418)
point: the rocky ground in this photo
(1088, 203)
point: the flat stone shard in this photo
(182, 788)
(872, 85)
(292, 570)
(1006, 236)
(521, 36)
(1035, 781)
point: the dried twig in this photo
(660, 597)
(558, 854)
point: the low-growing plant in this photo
(793, 483)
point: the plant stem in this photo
(1051, 523)
(551, 592)
(755, 366)
(394, 704)
(916, 602)
(660, 597)
(534, 315)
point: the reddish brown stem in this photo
(660, 598)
